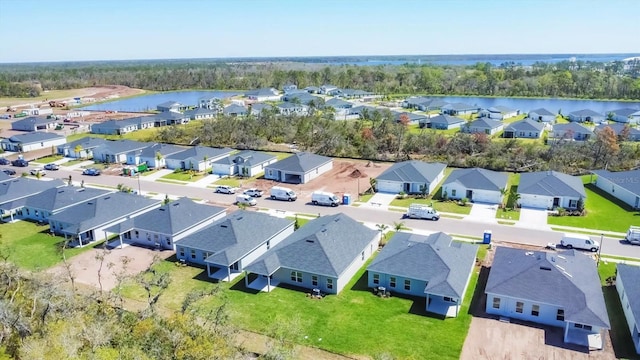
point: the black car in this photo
(91, 172)
(9, 171)
(20, 163)
(4, 161)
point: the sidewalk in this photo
(79, 165)
(205, 181)
(156, 175)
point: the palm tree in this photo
(399, 226)
(159, 158)
(503, 195)
(382, 228)
(78, 149)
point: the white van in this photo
(579, 241)
(283, 193)
(419, 211)
(246, 199)
(324, 198)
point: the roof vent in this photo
(90, 203)
(310, 241)
(107, 198)
(529, 253)
(161, 209)
(176, 204)
(224, 226)
(60, 192)
(239, 218)
(546, 268)
(324, 230)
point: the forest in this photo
(586, 80)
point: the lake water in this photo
(149, 102)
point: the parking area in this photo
(483, 212)
(533, 218)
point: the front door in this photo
(469, 195)
(407, 187)
(556, 202)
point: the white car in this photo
(35, 172)
(226, 189)
(253, 192)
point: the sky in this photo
(35, 30)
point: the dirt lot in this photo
(99, 93)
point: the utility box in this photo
(346, 199)
(486, 239)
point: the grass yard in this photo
(366, 197)
(42, 98)
(48, 159)
(30, 246)
(74, 162)
(507, 214)
(238, 181)
(185, 176)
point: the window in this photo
(449, 299)
(496, 303)
(519, 307)
(573, 203)
(314, 280)
(181, 251)
(453, 192)
(535, 310)
(407, 284)
(193, 254)
(168, 241)
(376, 279)
(560, 315)
(622, 296)
(392, 282)
(329, 283)
(576, 325)
(296, 276)
(268, 244)
(137, 233)
(587, 327)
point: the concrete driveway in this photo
(533, 218)
(483, 212)
(381, 200)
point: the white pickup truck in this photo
(633, 235)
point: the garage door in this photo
(389, 186)
(486, 197)
(532, 201)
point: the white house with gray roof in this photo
(410, 176)
(628, 288)
(265, 94)
(623, 185)
(585, 115)
(89, 221)
(559, 289)
(289, 108)
(198, 158)
(525, 129)
(153, 155)
(433, 266)
(201, 113)
(33, 123)
(483, 126)
(324, 254)
(459, 109)
(246, 163)
(624, 132)
(118, 151)
(227, 246)
(124, 126)
(542, 115)
(14, 190)
(475, 184)
(32, 141)
(299, 168)
(443, 122)
(499, 112)
(235, 110)
(169, 106)
(162, 227)
(81, 148)
(571, 131)
(626, 116)
(550, 189)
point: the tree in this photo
(605, 147)
(166, 199)
(424, 190)
(399, 226)
(159, 158)
(78, 149)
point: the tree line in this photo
(591, 80)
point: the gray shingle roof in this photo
(567, 279)
(479, 179)
(630, 275)
(199, 111)
(501, 109)
(525, 125)
(122, 146)
(168, 104)
(163, 149)
(629, 180)
(233, 237)
(251, 158)
(445, 119)
(584, 113)
(413, 171)
(542, 112)
(199, 152)
(460, 107)
(262, 92)
(32, 121)
(56, 199)
(301, 162)
(324, 246)
(444, 264)
(626, 112)
(87, 143)
(412, 117)
(34, 137)
(485, 123)
(551, 183)
(170, 116)
(4, 177)
(259, 107)
(571, 127)
(19, 188)
(338, 103)
(618, 127)
(234, 109)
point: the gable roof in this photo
(4, 176)
(629, 180)
(122, 146)
(573, 127)
(525, 125)
(200, 111)
(231, 238)
(485, 123)
(412, 117)
(55, 199)
(87, 143)
(33, 121)
(337, 103)
(262, 92)
(567, 279)
(259, 107)
(164, 150)
(325, 246)
(551, 183)
(444, 264)
(584, 113)
(501, 109)
(413, 171)
(199, 152)
(445, 119)
(618, 128)
(171, 115)
(301, 162)
(629, 275)
(542, 112)
(168, 104)
(290, 105)
(626, 112)
(479, 179)
(234, 109)
(459, 106)
(19, 188)
(34, 137)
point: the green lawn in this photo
(280, 155)
(74, 162)
(30, 246)
(366, 197)
(48, 159)
(508, 214)
(439, 205)
(230, 181)
(185, 176)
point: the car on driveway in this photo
(4, 161)
(226, 189)
(20, 163)
(91, 172)
(37, 171)
(9, 171)
(51, 166)
(253, 192)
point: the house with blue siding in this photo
(624, 132)
(36, 140)
(542, 115)
(585, 115)
(526, 129)
(571, 131)
(81, 148)
(628, 288)
(483, 126)
(14, 191)
(626, 116)
(410, 176)
(443, 122)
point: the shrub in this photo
(464, 201)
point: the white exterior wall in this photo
(358, 262)
(619, 192)
(507, 308)
(43, 145)
(488, 196)
(317, 172)
(387, 186)
(493, 131)
(626, 308)
(536, 201)
(260, 250)
(224, 169)
(546, 118)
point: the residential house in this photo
(624, 132)
(163, 227)
(424, 103)
(15, 190)
(542, 115)
(245, 163)
(227, 246)
(124, 126)
(571, 131)
(287, 88)
(324, 255)
(198, 158)
(357, 94)
(443, 122)
(499, 112)
(170, 106)
(459, 109)
(626, 116)
(89, 221)
(304, 98)
(117, 151)
(172, 118)
(550, 189)
(257, 109)
(265, 94)
(312, 89)
(586, 115)
(153, 155)
(34, 124)
(340, 106)
(476, 184)
(526, 129)
(201, 113)
(211, 103)
(434, 266)
(299, 168)
(363, 111)
(289, 108)
(560, 289)
(628, 289)
(623, 185)
(483, 126)
(410, 177)
(235, 110)
(413, 118)
(32, 141)
(328, 89)
(81, 148)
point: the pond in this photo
(149, 102)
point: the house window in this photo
(496, 303)
(169, 241)
(521, 134)
(329, 283)
(519, 307)
(560, 315)
(392, 282)
(449, 299)
(296, 276)
(453, 192)
(587, 327)
(193, 254)
(314, 280)
(137, 233)
(376, 279)
(535, 310)
(613, 189)
(268, 244)
(181, 249)
(407, 284)
(573, 203)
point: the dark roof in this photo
(259, 107)
(102, 210)
(485, 123)
(584, 112)
(86, 143)
(262, 92)
(233, 237)
(34, 137)
(163, 149)
(325, 246)
(234, 109)
(501, 109)
(567, 279)
(33, 121)
(122, 146)
(360, 109)
(199, 111)
(199, 152)
(551, 183)
(626, 112)
(629, 180)
(629, 275)
(460, 106)
(412, 117)
(171, 115)
(525, 125)
(301, 162)
(477, 178)
(290, 105)
(413, 171)
(573, 127)
(4, 177)
(445, 119)
(55, 199)
(337, 103)
(542, 112)
(19, 188)
(172, 218)
(444, 264)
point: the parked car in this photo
(9, 171)
(4, 161)
(633, 235)
(37, 171)
(52, 166)
(253, 192)
(91, 172)
(579, 241)
(283, 193)
(245, 199)
(419, 211)
(20, 163)
(324, 198)
(226, 189)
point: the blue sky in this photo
(135, 29)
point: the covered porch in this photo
(261, 283)
(584, 335)
(223, 273)
(443, 305)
